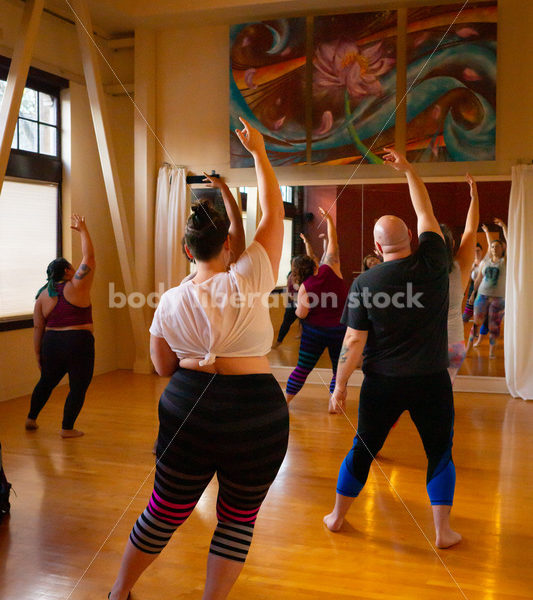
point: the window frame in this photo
(32, 166)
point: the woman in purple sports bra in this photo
(321, 298)
(63, 333)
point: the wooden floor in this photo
(77, 500)
(477, 362)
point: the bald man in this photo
(397, 313)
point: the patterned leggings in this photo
(429, 400)
(494, 307)
(313, 343)
(236, 426)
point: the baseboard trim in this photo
(463, 383)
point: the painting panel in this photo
(267, 87)
(451, 83)
(354, 87)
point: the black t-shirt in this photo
(403, 304)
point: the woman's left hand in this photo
(77, 222)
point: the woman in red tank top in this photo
(321, 298)
(63, 333)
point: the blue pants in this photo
(429, 400)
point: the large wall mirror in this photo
(355, 209)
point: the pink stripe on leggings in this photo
(220, 511)
(172, 505)
(241, 512)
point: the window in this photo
(36, 129)
(286, 194)
(28, 211)
(30, 201)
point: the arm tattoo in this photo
(82, 272)
(343, 357)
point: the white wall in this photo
(84, 193)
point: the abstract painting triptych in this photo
(325, 90)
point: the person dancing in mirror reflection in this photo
(488, 295)
(460, 260)
(321, 296)
(222, 411)
(405, 346)
(63, 333)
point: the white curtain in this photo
(519, 286)
(170, 218)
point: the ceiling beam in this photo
(16, 79)
(102, 129)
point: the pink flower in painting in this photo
(342, 65)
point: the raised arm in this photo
(487, 237)
(83, 278)
(332, 258)
(503, 227)
(308, 248)
(236, 228)
(270, 230)
(324, 239)
(426, 220)
(466, 253)
(350, 356)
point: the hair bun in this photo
(200, 214)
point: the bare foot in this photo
(275, 344)
(477, 341)
(492, 353)
(71, 433)
(31, 425)
(332, 522)
(447, 539)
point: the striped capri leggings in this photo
(312, 344)
(236, 426)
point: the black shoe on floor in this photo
(5, 489)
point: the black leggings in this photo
(70, 351)
(236, 426)
(288, 319)
(429, 400)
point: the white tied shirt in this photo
(227, 315)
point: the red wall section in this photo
(359, 206)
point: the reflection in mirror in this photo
(356, 211)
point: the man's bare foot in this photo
(71, 433)
(31, 425)
(477, 341)
(332, 522)
(447, 539)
